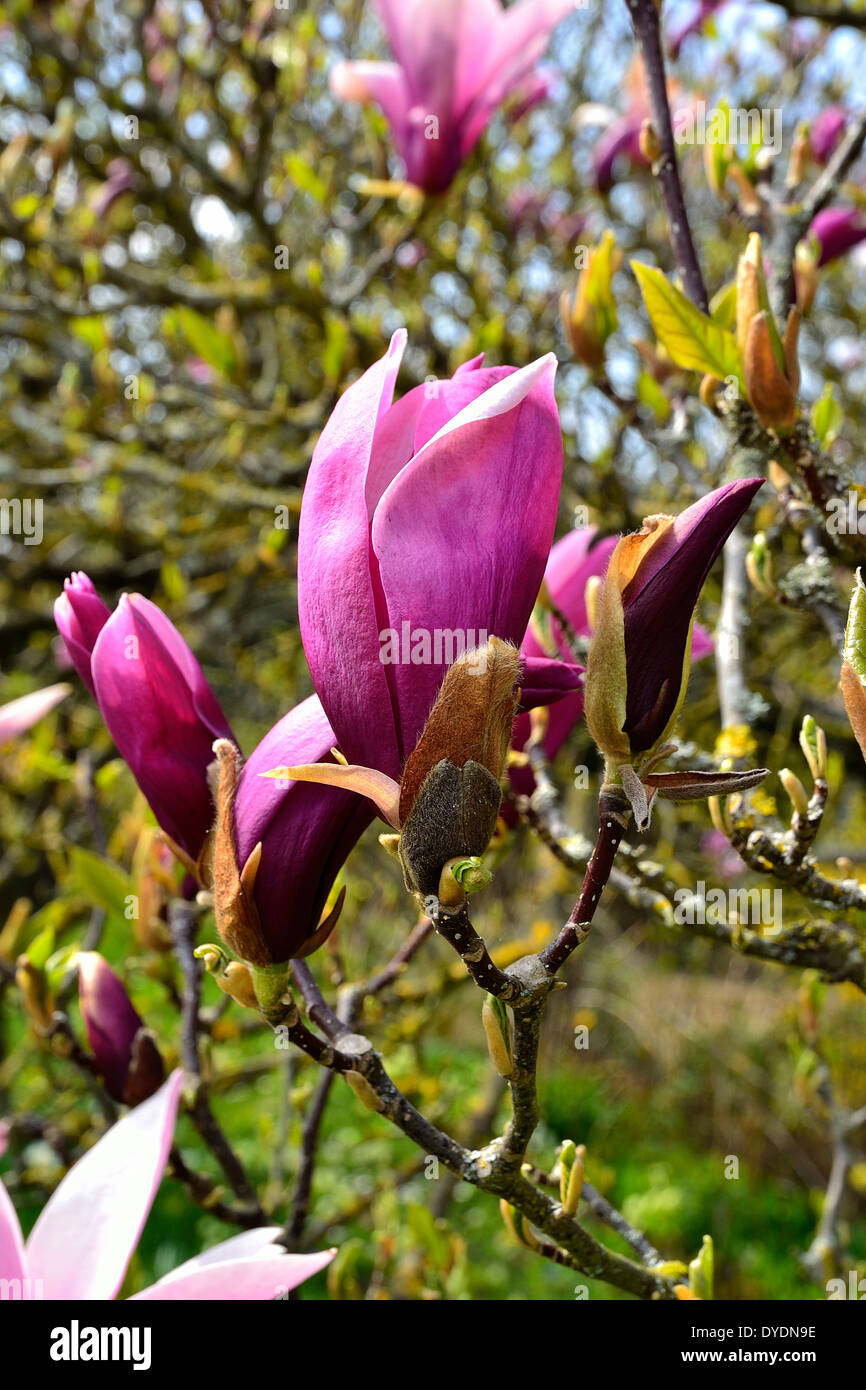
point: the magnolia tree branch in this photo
(645, 18)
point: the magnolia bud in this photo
(35, 994)
(497, 1028)
(796, 791)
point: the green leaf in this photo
(854, 648)
(91, 329)
(40, 948)
(691, 338)
(304, 177)
(650, 393)
(103, 884)
(827, 415)
(207, 342)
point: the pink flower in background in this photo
(20, 715)
(456, 62)
(836, 232)
(693, 25)
(86, 1234)
(826, 131)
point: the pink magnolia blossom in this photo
(20, 715)
(85, 1236)
(456, 62)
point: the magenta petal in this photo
(84, 1238)
(837, 230)
(336, 591)
(80, 615)
(546, 680)
(109, 1018)
(463, 532)
(306, 831)
(826, 131)
(702, 643)
(239, 1280)
(12, 1258)
(162, 715)
(20, 715)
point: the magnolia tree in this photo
(424, 392)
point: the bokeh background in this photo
(162, 385)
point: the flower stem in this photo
(613, 817)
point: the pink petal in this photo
(12, 1258)
(336, 596)
(483, 492)
(84, 1238)
(239, 1280)
(20, 715)
(248, 1245)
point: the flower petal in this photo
(306, 831)
(12, 1257)
(83, 1239)
(463, 532)
(336, 595)
(161, 713)
(239, 1280)
(20, 715)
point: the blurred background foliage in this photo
(183, 296)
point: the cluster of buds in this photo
(768, 362)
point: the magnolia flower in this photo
(826, 131)
(124, 1050)
(85, 1236)
(836, 231)
(639, 659)
(578, 561)
(456, 62)
(425, 528)
(170, 729)
(20, 715)
(155, 701)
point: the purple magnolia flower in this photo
(619, 145)
(456, 62)
(305, 831)
(826, 131)
(836, 231)
(123, 1050)
(574, 560)
(425, 523)
(155, 701)
(21, 714)
(85, 1236)
(80, 615)
(638, 663)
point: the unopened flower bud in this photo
(813, 742)
(796, 791)
(35, 994)
(497, 1028)
(701, 1271)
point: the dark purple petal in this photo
(306, 831)
(659, 603)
